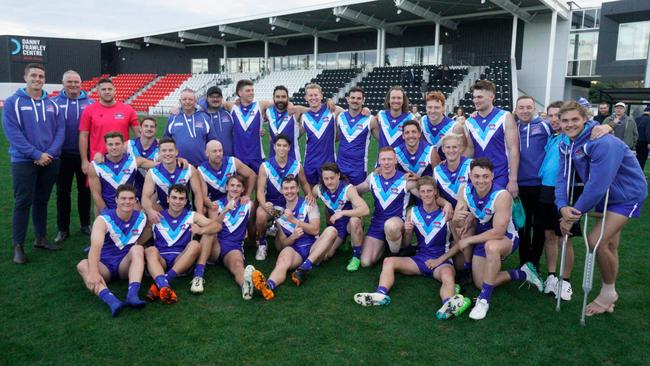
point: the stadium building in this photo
(547, 49)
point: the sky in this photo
(107, 19)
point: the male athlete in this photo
(386, 126)
(415, 155)
(145, 146)
(435, 125)
(354, 138)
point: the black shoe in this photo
(85, 230)
(464, 278)
(43, 243)
(19, 254)
(60, 237)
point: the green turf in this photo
(48, 317)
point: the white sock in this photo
(608, 291)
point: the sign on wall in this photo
(28, 49)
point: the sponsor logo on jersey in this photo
(488, 211)
(119, 116)
(492, 126)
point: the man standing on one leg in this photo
(114, 253)
(490, 207)
(35, 129)
(297, 230)
(71, 101)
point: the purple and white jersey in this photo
(352, 156)
(301, 213)
(320, 129)
(120, 234)
(216, 179)
(234, 222)
(247, 142)
(335, 201)
(390, 195)
(164, 179)
(135, 147)
(172, 234)
(418, 163)
(274, 176)
(111, 175)
(432, 231)
(433, 133)
(483, 209)
(488, 135)
(390, 128)
(449, 182)
(282, 123)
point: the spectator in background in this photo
(35, 129)
(426, 76)
(72, 101)
(460, 115)
(603, 112)
(623, 125)
(586, 105)
(424, 89)
(643, 144)
(414, 111)
(98, 119)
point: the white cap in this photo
(619, 104)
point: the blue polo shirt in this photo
(191, 133)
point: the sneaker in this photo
(298, 276)
(153, 294)
(197, 285)
(480, 310)
(532, 277)
(272, 230)
(452, 307)
(550, 285)
(259, 282)
(247, 285)
(261, 253)
(86, 230)
(371, 299)
(167, 295)
(567, 291)
(467, 302)
(353, 264)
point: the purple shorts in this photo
(341, 226)
(228, 246)
(479, 249)
(303, 250)
(355, 177)
(112, 262)
(421, 259)
(627, 209)
(169, 258)
(312, 175)
(253, 164)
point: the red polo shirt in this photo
(98, 119)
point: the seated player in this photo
(269, 188)
(173, 249)
(233, 213)
(345, 210)
(602, 164)
(415, 155)
(496, 236)
(432, 242)
(298, 229)
(216, 170)
(450, 175)
(114, 253)
(114, 169)
(164, 175)
(390, 190)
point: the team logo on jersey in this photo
(461, 179)
(492, 126)
(135, 231)
(394, 190)
(422, 163)
(200, 124)
(488, 211)
(182, 181)
(579, 153)
(436, 223)
(242, 213)
(50, 108)
(341, 202)
(119, 116)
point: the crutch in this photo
(590, 260)
(571, 181)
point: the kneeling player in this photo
(345, 210)
(496, 236)
(297, 230)
(173, 247)
(433, 240)
(113, 251)
(233, 214)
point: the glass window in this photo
(587, 45)
(597, 25)
(370, 58)
(344, 60)
(322, 60)
(199, 65)
(576, 19)
(233, 65)
(395, 57)
(409, 56)
(285, 63)
(633, 41)
(254, 64)
(572, 69)
(590, 18)
(303, 62)
(331, 61)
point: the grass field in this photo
(48, 316)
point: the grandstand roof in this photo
(322, 19)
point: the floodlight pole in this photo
(315, 66)
(225, 58)
(379, 60)
(436, 51)
(266, 58)
(513, 42)
(551, 52)
(646, 80)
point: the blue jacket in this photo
(32, 127)
(222, 124)
(602, 163)
(71, 110)
(551, 164)
(533, 137)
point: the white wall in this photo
(532, 76)
(8, 89)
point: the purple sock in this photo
(261, 241)
(306, 265)
(113, 302)
(132, 298)
(486, 291)
(198, 270)
(161, 281)
(382, 290)
(171, 274)
(270, 284)
(517, 275)
(444, 301)
(134, 288)
(467, 266)
(356, 251)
